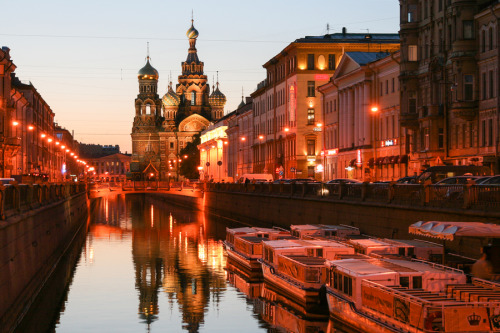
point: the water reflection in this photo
(148, 266)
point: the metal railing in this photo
(15, 199)
(477, 197)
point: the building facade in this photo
(446, 104)
(163, 126)
(240, 134)
(110, 168)
(287, 117)
(361, 136)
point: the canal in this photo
(147, 266)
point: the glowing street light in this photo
(374, 109)
(43, 135)
(31, 127)
(15, 123)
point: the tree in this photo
(190, 156)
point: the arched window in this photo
(193, 98)
(148, 108)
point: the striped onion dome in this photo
(192, 32)
(217, 98)
(171, 98)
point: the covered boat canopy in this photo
(449, 230)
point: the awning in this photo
(371, 162)
(395, 159)
(386, 160)
(403, 159)
(449, 230)
(352, 162)
(379, 161)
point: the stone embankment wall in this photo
(31, 244)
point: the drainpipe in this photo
(323, 113)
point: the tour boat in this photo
(402, 295)
(244, 245)
(411, 248)
(296, 268)
(323, 231)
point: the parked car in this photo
(458, 180)
(407, 180)
(6, 181)
(344, 181)
(492, 180)
(439, 172)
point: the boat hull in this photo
(343, 310)
(312, 300)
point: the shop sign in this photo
(388, 143)
(358, 157)
(317, 129)
(321, 77)
(311, 158)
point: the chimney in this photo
(344, 31)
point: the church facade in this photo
(163, 126)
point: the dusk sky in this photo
(83, 56)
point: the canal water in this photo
(147, 266)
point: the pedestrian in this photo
(483, 269)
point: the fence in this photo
(477, 197)
(15, 199)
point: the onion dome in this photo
(148, 72)
(217, 98)
(171, 98)
(192, 33)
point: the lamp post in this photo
(375, 112)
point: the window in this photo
(193, 98)
(417, 282)
(412, 13)
(393, 85)
(412, 53)
(148, 109)
(468, 29)
(490, 37)
(171, 145)
(426, 138)
(483, 133)
(491, 83)
(311, 148)
(490, 132)
(468, 87)
(484, 89)
(404, 281)
(310, 117)
(310, 61)
(331, 61)
(311, 88)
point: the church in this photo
(163, 126)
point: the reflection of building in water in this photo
(177, 257)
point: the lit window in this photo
(310, 117)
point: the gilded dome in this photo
(192, 32)
(148, 72)
(171, 98)
(217, 98)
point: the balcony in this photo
(409, 120)
(466, 110)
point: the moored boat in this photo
(244, 245)
(401, 295)
(308, 231)
(297, 268)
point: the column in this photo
(366, 106)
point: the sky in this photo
(83, 56)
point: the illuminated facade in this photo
(214, 151)
(361, 134)
(111, 168)
(163, 126)
(287, 115)
(240, 134)
(449, 82)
